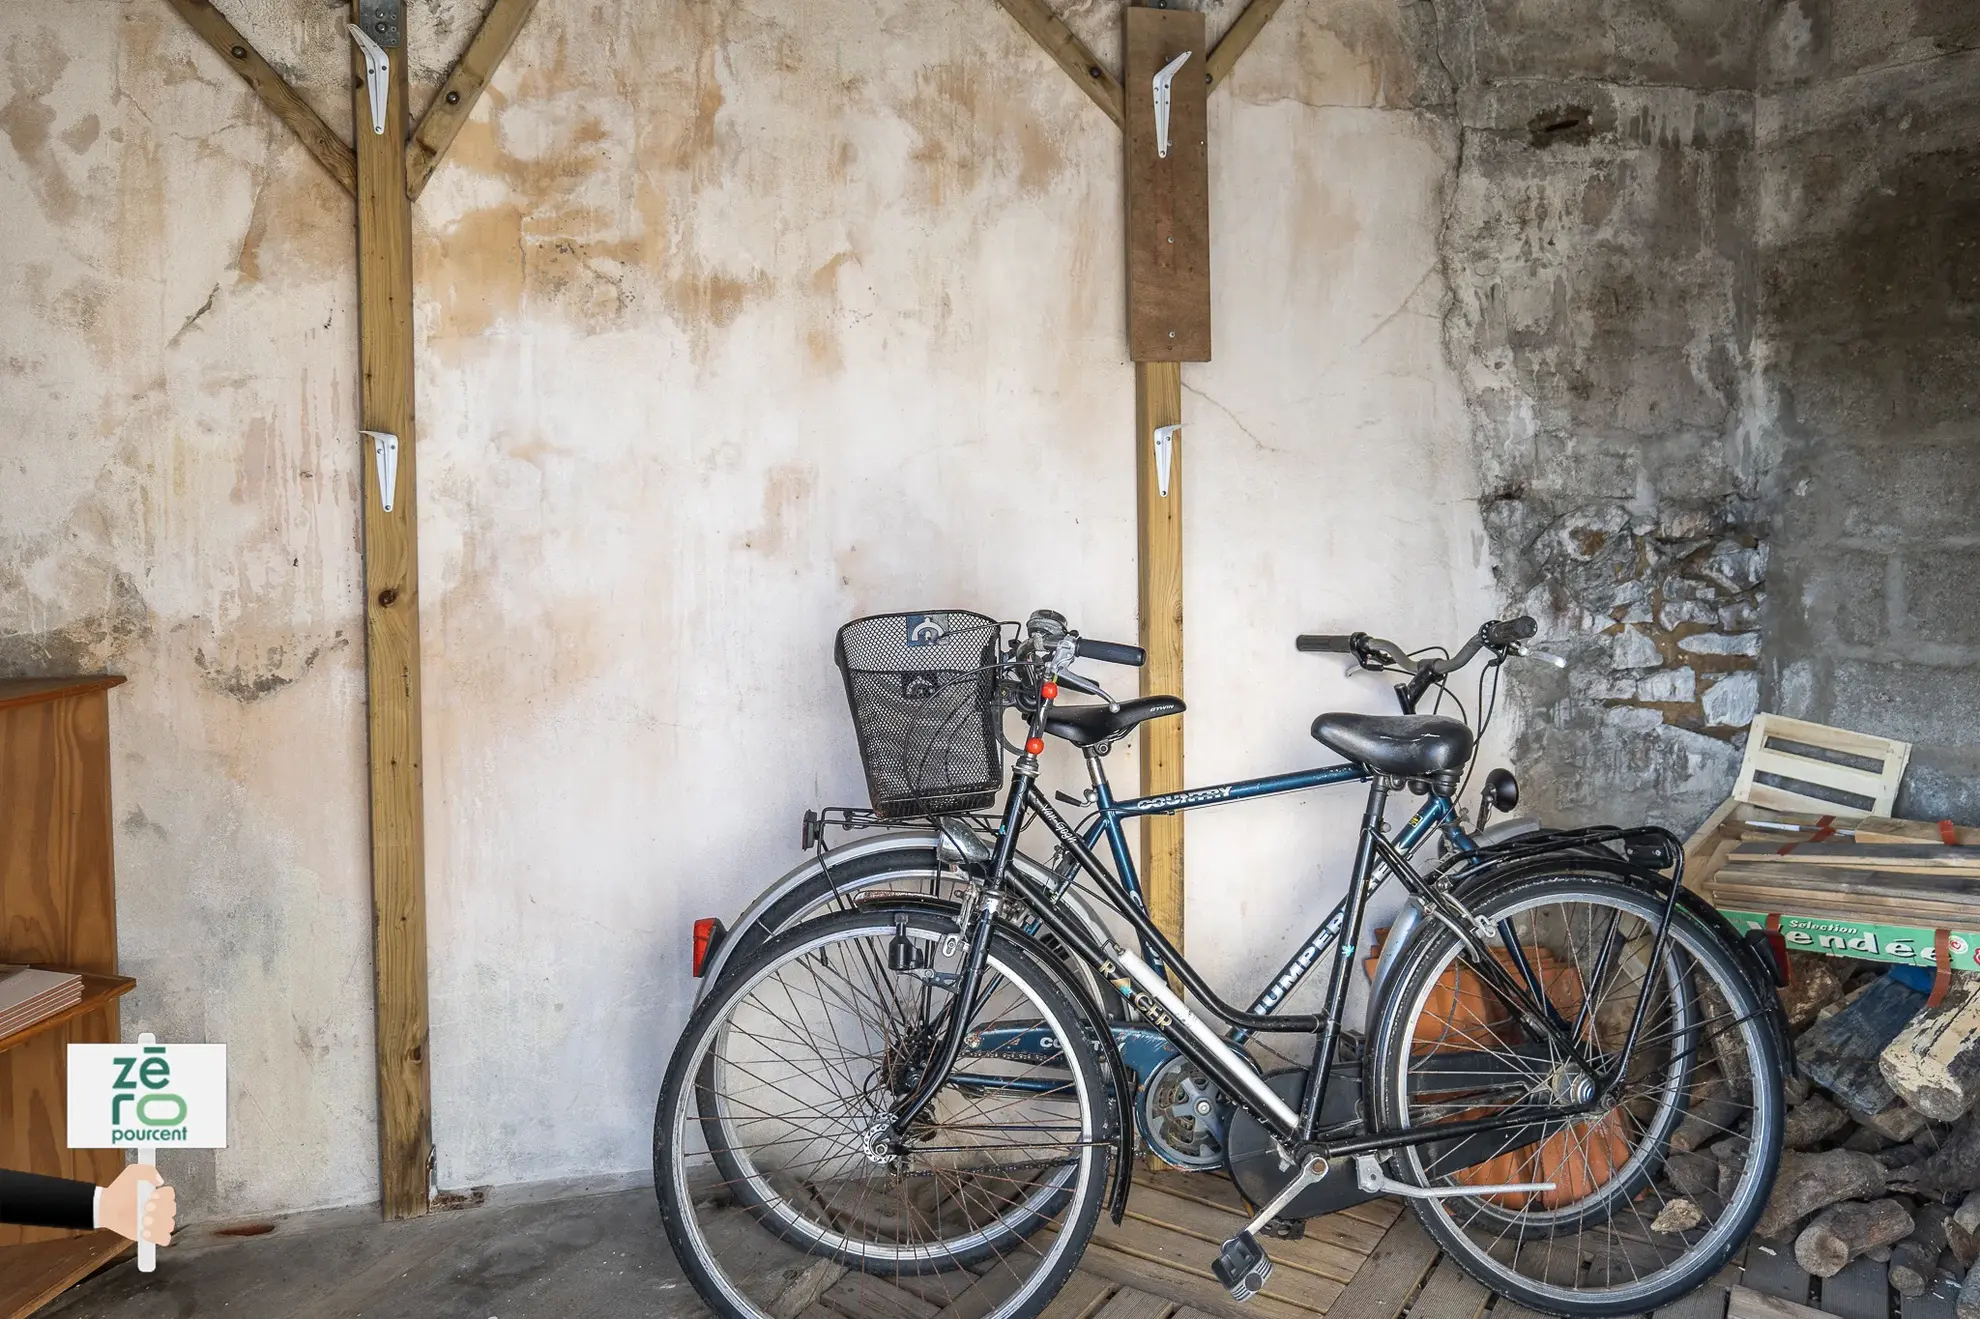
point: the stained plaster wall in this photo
(734, 321)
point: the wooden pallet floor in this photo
(1373, 1261)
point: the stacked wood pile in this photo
(1882, 1141)
(1898, 872)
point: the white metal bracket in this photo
(1165, 442)
(377, 75)
(1163, 78)
(385, 449)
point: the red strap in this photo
(1947, 832)
(1825, 829)
(1774, 921)
(1942, 957)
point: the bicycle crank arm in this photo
(1242, 1265)
(1369, 1177)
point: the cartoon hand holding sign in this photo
(141, 1096)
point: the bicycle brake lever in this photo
(1545, 657)
(1081, 683)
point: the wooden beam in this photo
(1069, 52)
(1168, 195)
(1237, 38)
(1158, 402)
(291, 109)
(454, 102)
(391, 633)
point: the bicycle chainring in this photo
(1183, 1116)
(1254, 1155)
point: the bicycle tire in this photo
(1569, 1287)
(684, 1108)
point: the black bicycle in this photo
(925, 1094)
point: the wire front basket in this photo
(923, 692)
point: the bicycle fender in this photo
(897, 840)
(1745, 957)
(1126, 1084)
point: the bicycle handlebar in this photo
(1374, 652)
(1111, 652)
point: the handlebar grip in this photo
(1511, 630)
(1325, 643)
(1111, 652)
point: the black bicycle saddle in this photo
(1410, 746)
(1083, 725)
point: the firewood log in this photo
(1963, 1230)
(1915, 1259)
(1840, 1053)
(1841, 1232)
(1710, 1116)
(1812, 1122)
(1815, 981)
(1968, 1305)
(1868, 1140)
(1808, 1182)
(1731, 1157)
(1934, 1062)
(1692, 1174)
(1899, 1123)
(1954, 1168)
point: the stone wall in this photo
(1713, 276)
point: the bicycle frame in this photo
(1148, 990)
(1437, 814)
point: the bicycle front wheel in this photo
(1618, 1233)
(772, 1187)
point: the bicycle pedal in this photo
(1285, 1229)
(1242, 1266)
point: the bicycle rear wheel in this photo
(1616, 1235)
(770, 1184)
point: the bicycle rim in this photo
(763, 1145)
(1612, 1235)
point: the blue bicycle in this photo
(916, 1054)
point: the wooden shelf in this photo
(33, 1275)
(97, 991)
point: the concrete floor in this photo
(600, 1255)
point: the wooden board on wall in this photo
(1168, 199)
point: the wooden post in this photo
(1158, 402)
(391, 617)
(1168, 282)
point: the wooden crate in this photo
(1793, 765)
(1815, 904)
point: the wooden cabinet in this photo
(58, 909)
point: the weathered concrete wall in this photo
(1868, 264)
(1597, 251)
(735, 322)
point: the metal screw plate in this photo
(384, 21)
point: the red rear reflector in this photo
(708, 934)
